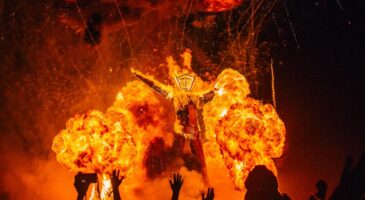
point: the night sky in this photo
(319, 71)
(321, 91)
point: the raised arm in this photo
(81, 184)
(116, 180)
(210, 194)
(208, 96)
(176, 186)
(159, 87)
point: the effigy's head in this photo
(181, 75)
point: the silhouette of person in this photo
(261, 184)
(286, 197)
(321, 191)
(176, 186)
(352, 182)
(210, 194)
(81, 185)
(116, 180)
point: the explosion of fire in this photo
(100, 143)
(240, 130)
(94, 142)
(248, 132)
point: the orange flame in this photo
(98, 142)
(247, 132)
(95, 142)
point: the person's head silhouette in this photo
(261, 184)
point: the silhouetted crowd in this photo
(261, 184)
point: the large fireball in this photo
(98, 142)
(248, 132)
(95, 142)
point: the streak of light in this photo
(189, 6)
(339, 5)
(126, 31)
(342, 10)
(273, 83)
(87, 29)
(291, 25)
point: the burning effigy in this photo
(213, 121)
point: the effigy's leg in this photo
(197, 149)
(179, 144)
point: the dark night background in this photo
(321, 90)
(319, 86)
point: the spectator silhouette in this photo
(352, 183)
(210, 194)
(321, 191)
(286, 197)
(81, 184)
(176, 186)
(261, 184)
(116, 180)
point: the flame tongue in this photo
(106, 192)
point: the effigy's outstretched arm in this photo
(207, 97)
(159, 87)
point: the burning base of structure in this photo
(217, 129)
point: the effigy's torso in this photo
(186, 107)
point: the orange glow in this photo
(240, 132)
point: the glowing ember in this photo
(248, 132)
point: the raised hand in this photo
(176, 186)
(116, 180)
(81, 185)
(210, 194)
